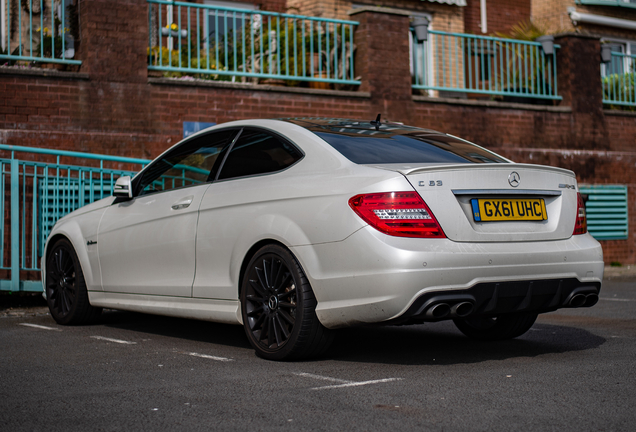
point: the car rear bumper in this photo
(497, 298)
(374, 278)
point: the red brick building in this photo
(112, 103)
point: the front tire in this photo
(279, 308)
(66, 292)
(501, 327)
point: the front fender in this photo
(80, 230)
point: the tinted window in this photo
(193, 162)
(387, 148)
(257, 152)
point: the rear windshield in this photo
(390, 148)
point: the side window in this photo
(258, 152)
(193, 162)
(617, 63)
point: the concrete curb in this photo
(623, 271)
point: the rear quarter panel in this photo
(301, 206)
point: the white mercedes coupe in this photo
(296, 227)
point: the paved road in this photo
(574, 371)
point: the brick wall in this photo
(140, 120)
(114, 39)
(272, 5)
(553, 15)
(107, 108)
(500, 14)
(444, 17)
(320, 8)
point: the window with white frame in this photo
(620, 64)
(220, 23)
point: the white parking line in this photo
(308, 375)
(616, 299)
(355, 384)
(344, 383)
(119, 341)
(205, 356)
(40, 326)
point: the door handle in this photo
(183, 203)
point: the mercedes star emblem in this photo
(514, 179)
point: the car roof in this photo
(352, 127)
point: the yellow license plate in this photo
(509, 209)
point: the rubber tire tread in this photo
(82, 311)
(507, 326)
(313, 338)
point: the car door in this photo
(242, 190)
(146, 245)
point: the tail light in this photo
(580, 227)
(400, 214)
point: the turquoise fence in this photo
(222, 43)
(619, 80)
(607, 212)
(455, 62)
(35, 194)
(36, 31)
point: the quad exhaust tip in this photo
(462, 309)
(591, 300)
(583, 300)
(442, 310)
(462, 305)
(438, 311)
(577, 300)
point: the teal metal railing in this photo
(37, 193)
(619, 80)
(35, 31)
(224, 43)
(456, 62)
(607, 211)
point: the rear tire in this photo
(279, 308)
(65, 287)
(501, 327)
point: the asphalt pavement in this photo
(573, 371)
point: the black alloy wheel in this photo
(278, 308)
(66, 292)
(501, 327)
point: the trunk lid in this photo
(504, 196)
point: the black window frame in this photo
(220, 161)
(261, 130)
(137, 185)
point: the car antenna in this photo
(376, 123)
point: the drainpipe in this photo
(484, 18)
(578, 17)
(3, 29)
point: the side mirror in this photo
(123, 187)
